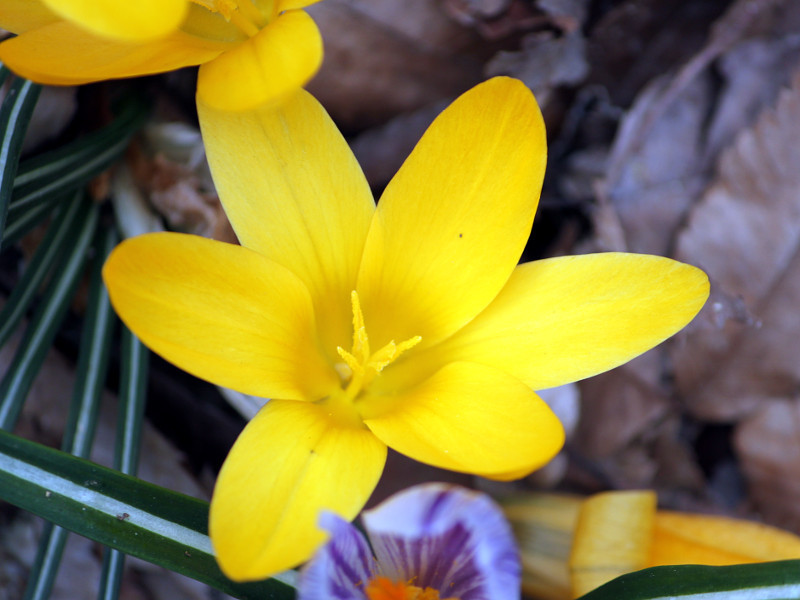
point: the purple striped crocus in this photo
(430, 542)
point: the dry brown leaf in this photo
(545, 62)
(638, 40)
(381, 150)
(651, 182)
(745, 233)
(617, 408)
(768, 445)
(170, 168)
(753, 73)
(498, 19)
(384, 57)
(667, 144)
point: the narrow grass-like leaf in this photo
(123, 512)
(94, 354)
(44, 181)
(4, 73)
(75, 164)
(761, 581)
(47, 318)
(55, 244)
(90, 377)
(111, 574)
(20, 224)
(132, 394)
(15, 114)
(45, 566)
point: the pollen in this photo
(382, 588)
(360, 366)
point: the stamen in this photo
(391, 352)
(252, 14)
(349, 359)
(360, 339)
(244, 16)
(207, 4)
(223, 7)
(241, 23)
(360, 366)
(383, 357)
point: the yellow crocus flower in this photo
(250, 51)
(407, 324)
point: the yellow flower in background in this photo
(570, 546)
(406, 325)
(251, 51)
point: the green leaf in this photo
(132, 394)
(45, 567)
(75, 164)
(760, 581)
(136, 517)
(15, 114)
(46, 320)
(20, 224)
(84, 408)
(47, 179)
(56, 244)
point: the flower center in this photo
(244, 15)
(361, 366)
(382, 588)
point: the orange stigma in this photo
(382, 588)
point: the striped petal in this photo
(452, 223)
(453, 540)
(220, 312)
(290, 463)
(63, 54)
(471, 418)
(139, 21)
(267, 68)
(341, 568)
(297, 196)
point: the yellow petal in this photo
(469, 418)
(294, 4)
(63, 54)
(267, 68)
(139, 21)
(220, 312)
(543, 524)
(289, 463)
(613, 536)
(710, 540)
(564, 319)
(18, 16)
(452, 224)
(295, 193)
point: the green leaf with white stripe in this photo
(131, 515)
(760, 581)
(43, 181)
